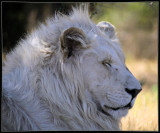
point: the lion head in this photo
(107, 79)
(111, 84)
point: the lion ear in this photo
(107, 28)
(72, 39)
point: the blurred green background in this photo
(137, 29)
(137, 19)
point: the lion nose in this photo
(133, 92)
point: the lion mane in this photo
(42, 85)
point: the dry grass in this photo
(144, 70)
(144, 115)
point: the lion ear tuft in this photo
(107, 28)
(72, 39)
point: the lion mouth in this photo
(117, 108)
(105, 108)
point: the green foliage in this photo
(142, 14)
(145, 12)
(136, 25)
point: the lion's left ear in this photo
(72, 39)
(107, 28)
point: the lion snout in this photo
(133, 92)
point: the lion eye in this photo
(106, 63)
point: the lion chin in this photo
(69, 74)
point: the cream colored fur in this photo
(50, 84)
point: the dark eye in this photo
(106, 63)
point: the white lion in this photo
(69, 74)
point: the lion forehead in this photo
(105, 48)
